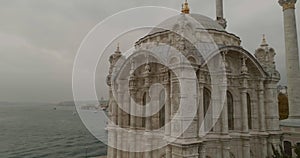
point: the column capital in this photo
(287, 4)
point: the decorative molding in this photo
(287, 4)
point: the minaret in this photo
(266, 57)
(112, 106)
(292, 57)
(219, 13)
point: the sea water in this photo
(35, 131)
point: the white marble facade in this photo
(212, 69)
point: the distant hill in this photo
(66, 103)
(23, 103)
(72, 103)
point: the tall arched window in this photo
(162, 110)
(207, 111)
(206, 99)
(249, 111)
(230, 111)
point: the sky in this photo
(39, 39)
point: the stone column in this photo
(202, 153)
(113, 131)
(119, 117)
(113, 139)
(246, 148)
(225, 141)
(125, 123)
(185, 124)
(132, 118)
(261, 105)
(148, 143)
(125, 113)
(114, 112)
(224, 114)
(272, 114)
(272, 117)
(147, 113)
(264, 145)
(167, 109)
(201, 112)
(168, 114)
(224, 127)
(243, 92)
(112, 120)
(173, 97)
(292, 57)
(168, 151)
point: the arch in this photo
(249, 108)
(192, 60)
(239, 50)
(230, 111)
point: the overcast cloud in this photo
(39, 38)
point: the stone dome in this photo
(196, 21)
(207, 22)
(191, 25)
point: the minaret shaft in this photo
(292, 57)
(219, 14)
(219, 9)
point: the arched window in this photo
(192, 60)
(249, 111)
(162, 110)
(206, 100)
(206, 109)
(230, 111)
(287, 148)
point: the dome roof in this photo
(207, 22)
(193, 27)
(196, 20)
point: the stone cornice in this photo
(287, 4)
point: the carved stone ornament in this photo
(287, 4)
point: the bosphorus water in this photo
(35, 131)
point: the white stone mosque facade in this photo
(215, 99)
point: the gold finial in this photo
(264, 41)
(185, 8)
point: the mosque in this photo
(190, 90)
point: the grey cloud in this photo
(39, 38)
